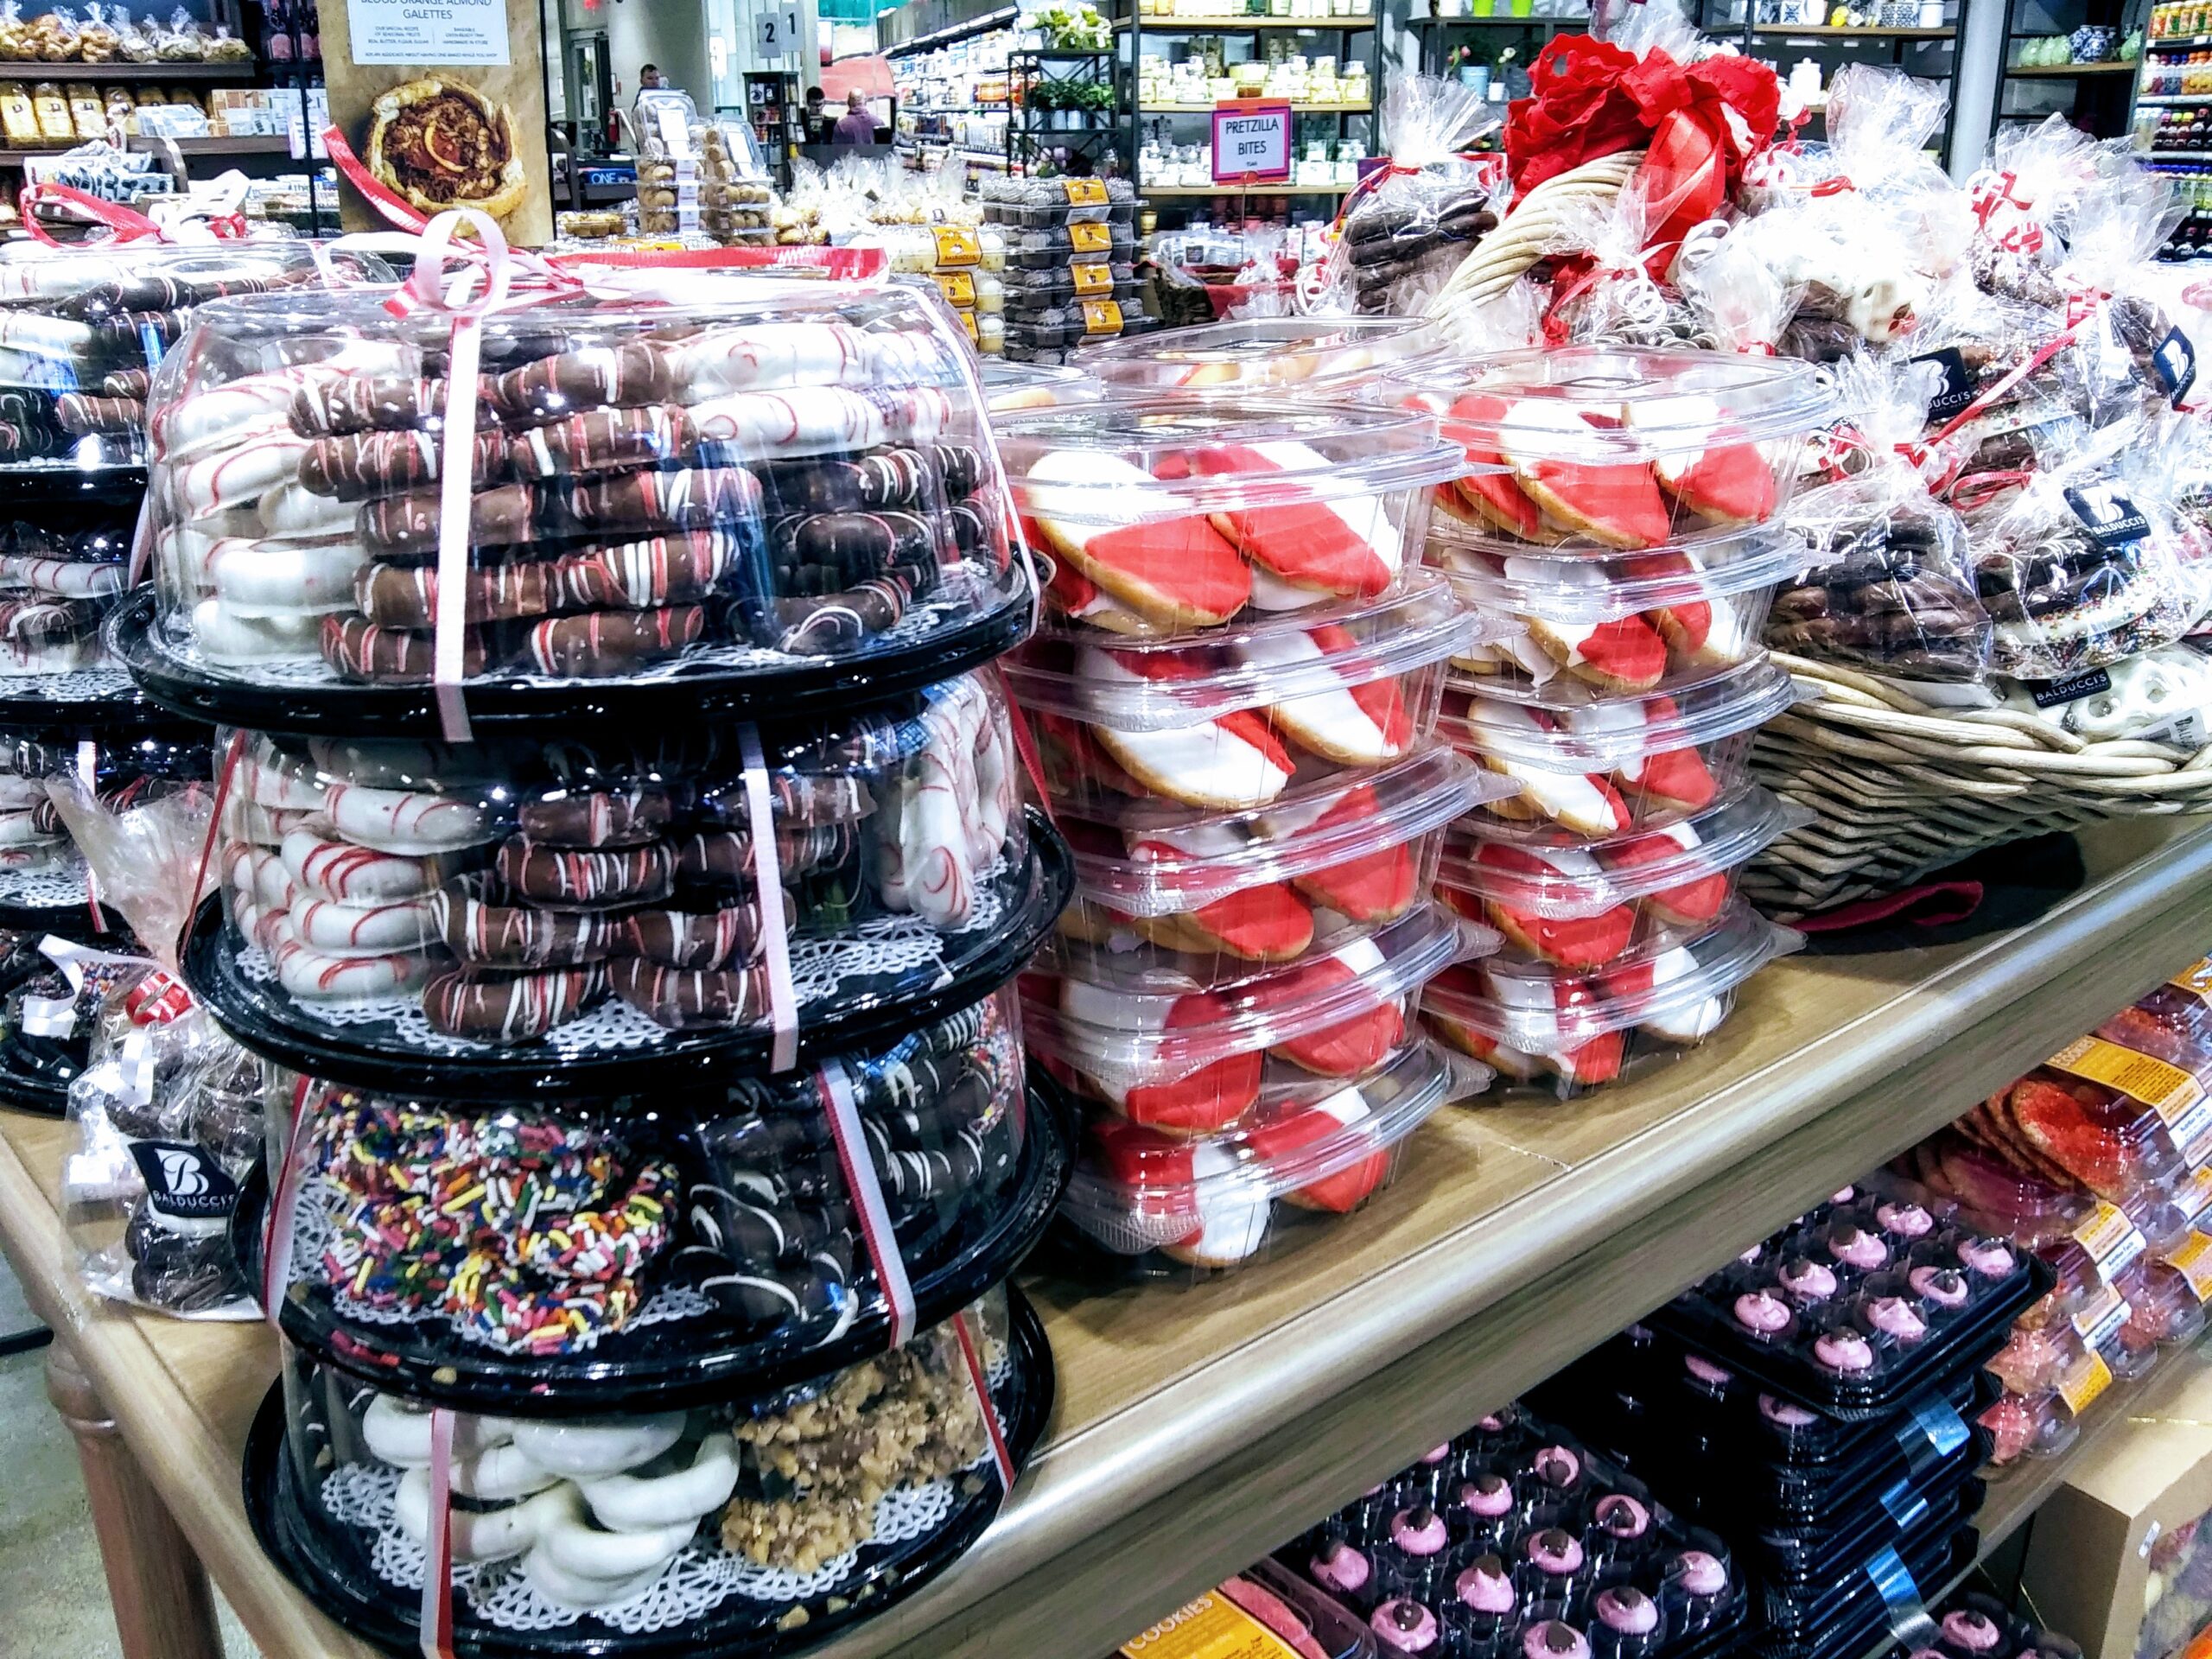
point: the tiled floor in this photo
(53, 1596)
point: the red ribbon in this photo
(437, 1547)
(128, 223)
(1919, 452)
(223, 781)
(980, 1380)
(835, 1089)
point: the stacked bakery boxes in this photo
(1234, 699)
(81, 331)
(651, 1139)
(1617, 526)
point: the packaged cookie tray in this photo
(664, 1250)
(1318, 1146)
(1033, 289)
(1266, 1600)
(1119, 214)
(1272, 884)
(1598, 447)
(59, 580)
(1855, 1307)
(1580, 1029)
(2024, 1427)
(1255, 715)
(1329, 356)
(1577, 903)
(1514, 578)
(1516, 1539)
(1596, 769)
(1179, 515)
(81, 331)
(768, 494)
(1972, 1625)
(1885, 1519)
(1068, 325)
(719, 1528)
(2132, 1147)
(1179, 1051)
(1052, 250)
(1848, 1614)
(444, 923)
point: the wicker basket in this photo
(1903, 788)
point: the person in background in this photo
(814, 123)
(856, 125)
(649, 78)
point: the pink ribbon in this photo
(283, 1213)
(835, 1087)
(768, 878)
(127, 223)
(437, 1623)
(980, 1382)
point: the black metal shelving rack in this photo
(1033, 134)
(1435, 34)
(1345, 29)
(2104, 93)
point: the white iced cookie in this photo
(262, 577)
(683, 1496)
(266, 774)
(1214, 763)
(1584, 802)
(364, 930)
(491, 1535)
(1505, 656)
(322, 865)
(236, 477)
(223, 635)
(1365, 523)
(259, 874)
(1615, 729)
(583, 1451)
(404, 820)
(1232, 1223)
(1353, 728)
(1696, 1021)
(315, 975)
(294, 512)
(769, 356)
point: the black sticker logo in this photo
(2174, 361)
(2090, 683)
(183, 1181)
(2109, 516)
(1956, 387)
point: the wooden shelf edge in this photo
(1123, 1519)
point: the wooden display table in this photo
(1198, 1426)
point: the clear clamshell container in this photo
(1325, 357)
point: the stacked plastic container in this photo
(1615, 528)
(1070, 251)
(967, 263)
(1814, 1403)
(1233, 704)
(658, 1138)
(1517, 1540)
(2099, 1162)
(1970, 1624)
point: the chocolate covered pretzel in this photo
(682, 998)
(329, 407)
(363, 651)
(727, 937)
(596, 818)
(603, 441)
(509, 1007)
(406, 596)
(354, 466)
(490, 935)
(585, 878)
(724, 857)
(601, 642)
(406, 525)
(635, 371)
(81, 413)
(854, 544)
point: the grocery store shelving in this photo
(1295, 109)
(2071, 71)
(2174, 97)
(241, 69)
(1239, 25)
(1200, 1426)
(1262, 189)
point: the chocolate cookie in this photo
(355, 466)
(727, 937)
(826, 624)
(79, 414)
(504, 1008)
(847, 547)
(363, 651)
(579, 878)
(684, 999)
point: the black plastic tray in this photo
(260, 1016)
(1931, 1555)
(678, 694)
(740, 1627)
(662, 1367)
(1798, 1560)
(23, 1092)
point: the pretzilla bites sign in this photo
(1251, 142)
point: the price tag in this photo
(1090, 239)
(958, 286)
(2193, 1195)
(1092, 279)
(967, 320)
(2192, 1259)
(1212, 1627)
(956, 245)
(2113, 1241)
(2166, 1090)
(1084, 193)
(2097, 1321)
(1101, 317)
(2085, 1380)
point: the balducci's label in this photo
(1084, 193)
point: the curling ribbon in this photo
(437, 1549)
(980, 1381)
(834, 1086)
(768, 878)
(283, 1211)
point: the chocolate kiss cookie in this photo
(602, 440)
(358, 464)
(583, 817)
(577, 878)
(366, 403)
(360, 650)
(683, 938)
(406, 596)
(636, 372)
(681, 998)
(496, 1008)
(513, 936)
(601, 642)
